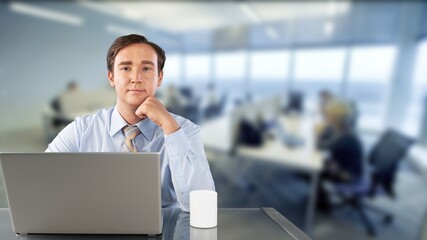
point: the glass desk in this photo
(245, 223)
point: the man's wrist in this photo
(170, 126)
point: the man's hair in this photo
(123, 41)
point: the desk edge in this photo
(285, 224)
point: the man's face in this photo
(135, 74)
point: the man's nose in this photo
(137, 77)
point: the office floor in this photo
(244, 184)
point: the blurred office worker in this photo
(345, 162)
(331, 109)
(55, 104)
(140, 123)
(58, 119)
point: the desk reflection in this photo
(183, 230)
(204, 234)
(176, 226)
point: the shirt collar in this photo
(146, 126)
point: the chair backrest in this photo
(385, 157)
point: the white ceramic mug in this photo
(203, 208)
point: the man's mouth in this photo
(136, 90)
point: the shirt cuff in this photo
(177, 143)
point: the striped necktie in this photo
(130, 132)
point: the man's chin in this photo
(136, 102)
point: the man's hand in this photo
(154, 110)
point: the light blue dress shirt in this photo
(183, 160)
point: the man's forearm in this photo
(189, 167)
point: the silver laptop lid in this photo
(83, 193)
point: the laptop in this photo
(83, 193)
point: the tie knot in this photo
(131, 131)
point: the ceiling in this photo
(179, 17)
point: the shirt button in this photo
(170, 145)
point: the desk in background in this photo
(218, 135)
(256, 223)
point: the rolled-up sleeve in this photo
(188, 164)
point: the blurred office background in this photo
(228, 58)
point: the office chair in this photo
(383, 163)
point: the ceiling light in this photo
(99, 6)
(332, 8)
(250, 13)
(56, 16)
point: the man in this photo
(139, 122)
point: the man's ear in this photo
(160, 80)
(111, 78)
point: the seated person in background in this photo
(140, 123)
(323, 130)
(55, 104)
(345, 162)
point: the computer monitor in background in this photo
(295, 102)
(261, 114)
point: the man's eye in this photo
(125, 68)
(146, 68)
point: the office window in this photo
(172, 69)
(368, 82)
(269, 65)
(197, 67)
(230, 66)
(372, 64)
(412, 124)
(316, 70)
(324, 65)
